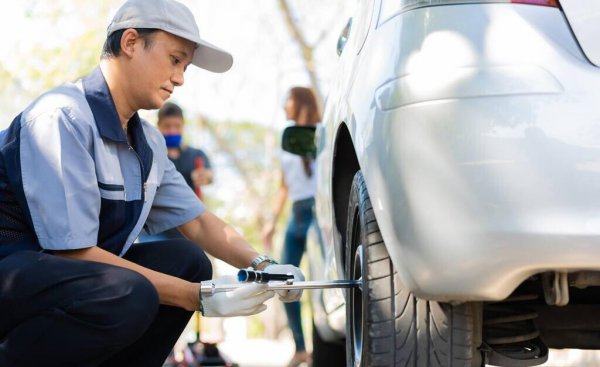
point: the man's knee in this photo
(124, 304)
(111, 305)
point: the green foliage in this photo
(37, 65)
(54, 66)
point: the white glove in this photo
(287, 295)
(244, 301)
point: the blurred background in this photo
(236, 117)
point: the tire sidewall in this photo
(358, 203)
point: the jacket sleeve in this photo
(59, 181)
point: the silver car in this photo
(459, 178)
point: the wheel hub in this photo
(356, 297)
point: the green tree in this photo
(35, 64)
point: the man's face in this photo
(171, 125)
(155, 71)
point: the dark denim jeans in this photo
(293, 249)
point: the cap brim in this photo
(210, 57)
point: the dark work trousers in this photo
(63, 312)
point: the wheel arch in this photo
(345, 165)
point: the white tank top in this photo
(300, 186)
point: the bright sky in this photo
(266, 60)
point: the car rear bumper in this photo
(478, 206)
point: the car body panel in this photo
(480, 146)
(584, 18)
(328, 309)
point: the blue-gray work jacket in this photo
(69, 179)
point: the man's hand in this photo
(201, 176)
(244, 301)
(287, 295)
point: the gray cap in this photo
(173, 17)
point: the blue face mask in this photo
(173, 140)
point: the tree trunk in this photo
(305, 49)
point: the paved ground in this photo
(259, 352)
(272, 353)
(573, 358)
(255, 352)
(276, 353)
(237, 347)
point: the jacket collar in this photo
(103, 107)
(107, 119)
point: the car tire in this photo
(327, 354)
(386, 324)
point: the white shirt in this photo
(300, 186)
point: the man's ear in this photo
(129, 39)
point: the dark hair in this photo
(112, 45)
(305, 107)
(304, 99)
(169, 109)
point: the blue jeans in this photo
(293, 249)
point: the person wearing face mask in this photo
(193, 164)
(171, 124)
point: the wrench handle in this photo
(208, 287)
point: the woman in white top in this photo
(298, 183)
